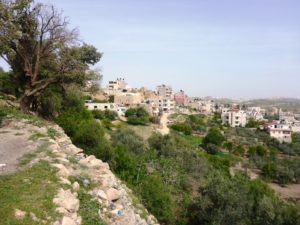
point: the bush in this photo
(70, 119)
(129, 139)
(2, 115)
(90, 137)
(154, 119)
(212, 149)
(107, 114)
(269, 170)
(214, 136)
(157, 198)
(239, 150)
(137, 116)
(124, 164)
(182, 127)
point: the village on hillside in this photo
(118, 96)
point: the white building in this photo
(158, 105)
(116, 86)
(234, 117)
(256, 113)
(106, 106)
(281, 132)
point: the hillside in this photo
(48, 180)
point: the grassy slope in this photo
(31, 190)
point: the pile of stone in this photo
(116, 204)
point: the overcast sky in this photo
(221, 48)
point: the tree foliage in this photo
(40, 49)
(137, 116)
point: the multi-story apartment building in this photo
(165, 91)
(234, 117)
(159, 105)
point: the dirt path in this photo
(164, 129)
(14, 143)
(289, 191)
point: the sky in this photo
(220, 48)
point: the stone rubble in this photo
(116, 205)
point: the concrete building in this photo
(205, 106)
(181, 98)
(234, 117)
(158, 105)
(116, 86)
(256, 113)
(165, 91)
(128, 99)
(106, 106)
(281, 132)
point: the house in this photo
(106, 106)
(116, 86)
(234, 117)
(281, 132)
(181, 98)
(205, 106)
(128, 99)
(255, 113)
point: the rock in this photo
(67, 200)
(76, 186)
(63, 171)
(19, 214)
(113, 194)
(101, 194)
(65, 181)
(33, 217)
(68, 221)
(61, 210)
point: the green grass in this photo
(194, 141)
(27, 158)
(88, 209)
(221, 161)
(52, 133)
(36, 136)
(31, 190)
(9, 111)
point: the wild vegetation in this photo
(182, 178)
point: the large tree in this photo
(36, 42)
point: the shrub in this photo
(214, 136)
(2, 115)
(212, 149)
(70, 119)
(129, 139)
(154, 119)
(239, 150)
(182, 127)
(269, 170)
(90, 137)
(137, 116)
(157, 198)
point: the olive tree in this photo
(40, 49)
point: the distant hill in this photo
(286, 104)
